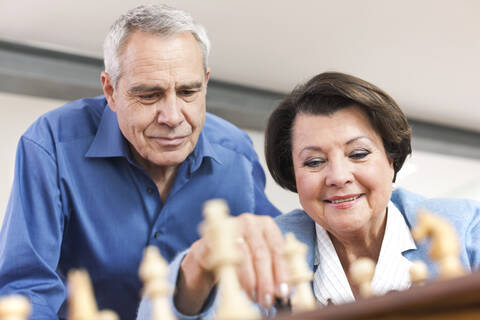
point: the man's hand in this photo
(262, 271)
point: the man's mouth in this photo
(170, 141)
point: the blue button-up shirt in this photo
(79, 200)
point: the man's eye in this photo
(313, 163)
(359, 154)
(150, 96)
(187, 93)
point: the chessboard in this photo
(457, 299)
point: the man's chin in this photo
(170, 158)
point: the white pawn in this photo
(444, 243)
(14, 307)
(300, 274)
(154, 272)
(219, 231)
(107, 315)
(418, 273)
(361, 274)
(81, 299)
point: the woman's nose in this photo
(339, 173)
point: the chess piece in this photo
(444, 245)
(107, 315)
(81, 299)
(300, 274)
(14, 307)
(154, 271)
(361, 274)
(219, 231)
(418, 273)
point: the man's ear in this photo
(108, 90)
(207, 76)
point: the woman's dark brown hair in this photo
(325, 94)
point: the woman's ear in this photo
(392, 163)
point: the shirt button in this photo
(150, 190)
(156, 235)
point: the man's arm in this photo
(262, 204)
(31, 235)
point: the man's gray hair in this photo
(154, 19)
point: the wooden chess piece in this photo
(361, 274)
(14, 307)
(154, 273)
(81, 299)
(418, 273)
(219, 231)
(107, 315)
(300, 274)
(444, 246)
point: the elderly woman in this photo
(337, 141)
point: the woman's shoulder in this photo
(457, 210)
(296, 221)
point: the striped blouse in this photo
(330, 283)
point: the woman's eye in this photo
(359, 154)
(313, 163)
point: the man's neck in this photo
(162, 176)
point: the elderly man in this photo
(99, 179)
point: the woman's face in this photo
(343, 175)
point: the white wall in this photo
(427, 173)
(17, 113)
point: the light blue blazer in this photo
(463, 214)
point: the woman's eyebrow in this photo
(319, 149)
(357, 138)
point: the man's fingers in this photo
(245, 270)
(276, 243)
(255, 230)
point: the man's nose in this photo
(339, 173)
(170, 111)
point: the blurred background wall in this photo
(424, 53)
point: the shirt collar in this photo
(108, 141)
(397, 234)
(392, 270)
(203, 149)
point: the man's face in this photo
(160, 97)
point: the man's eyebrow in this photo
(190, 85)
(144, 88)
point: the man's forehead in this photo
(154, 57)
